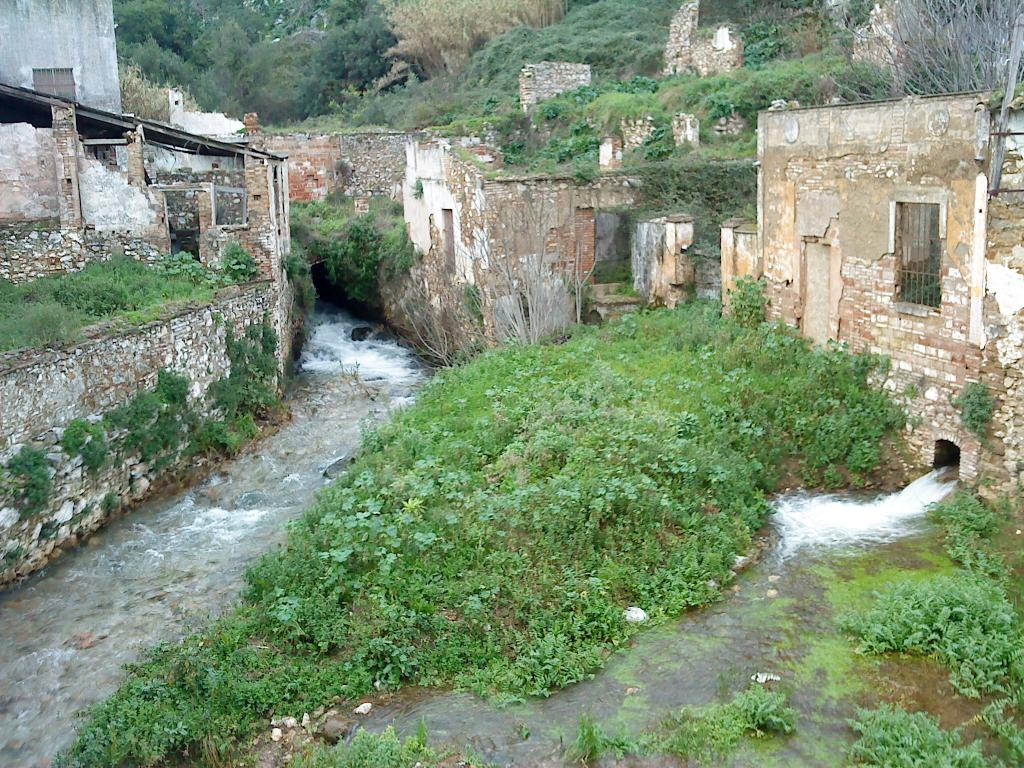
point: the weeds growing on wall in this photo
(26, 479)
(88, 440)
(490, 536)
(976, 406)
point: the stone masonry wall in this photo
(43, 391)
(704, 51)
(42, 249)
(363, 164)
(547, 79)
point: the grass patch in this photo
(53, 310)
(490, 536)
(894, 738)
(370, 750)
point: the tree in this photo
(942, 46)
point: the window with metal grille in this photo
(919, 249)
(56, 82)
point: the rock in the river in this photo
(335, 729)
(363, 709)
(337, 468)
(361, 333)
(635, 615)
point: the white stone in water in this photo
(363, 709)
(765, 677)
(634, 615)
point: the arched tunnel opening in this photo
(947, 454)
(331, 294)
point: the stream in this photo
(176, 561)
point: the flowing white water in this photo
(809, 521)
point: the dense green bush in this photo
(237, 265)
(747, 302)
(88, 440)
(359, 252)
(968, 524)
(967, 622)
(29, 481)
(894, 738)
(490, 536)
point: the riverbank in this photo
(178, 561)
(492, 536)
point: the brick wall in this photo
(366, 164)
(831, 183)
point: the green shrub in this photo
(374, 750)
(184, 266)
(966, 622)
(38, 324)
(890, 737)
(237, 265)
(747, 302)
(977, 407)
(968, 524)
(29, 474)
(296, 266)
(764, 41)
(88, 440)
(490, 535)
(609, 110)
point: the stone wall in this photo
(691, 48)
(474, 230)
(664, 274)
(547, 79)
(834, 182)
(365, 164)
(43, 391)
(42, 249)
(28, 173)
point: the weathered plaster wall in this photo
(664, 274)
(111, 204)
(831, 179)
(62, 34)
(28, 173)
(741, 256)
(43, 391)
(202, 123)
(365, 164)
(547, 79)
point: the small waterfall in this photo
(807, 521)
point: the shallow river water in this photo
(148, 577)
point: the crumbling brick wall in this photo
(363, 164)
(547, 79)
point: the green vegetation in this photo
(26, 477)
(53, 310)
(359, 251)
(699, 733)
(968, 622)
(976, 406)
(490, 536)
(894, 738)
(748, 305)
(369, 750)
(88, 440)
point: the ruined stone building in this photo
(694, 47)
(479, 228)
(78, 184)
(62, 48)
(877, 228)
(547, 79)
